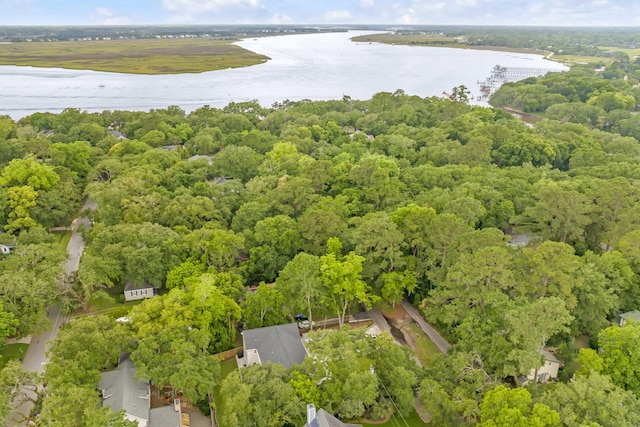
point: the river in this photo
(310, 66)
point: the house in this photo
(5, 250)
(276, 344)
(133, 292)
(121, 391)
(322, 418)
(622, 319)
(117, 134)
(548, 371)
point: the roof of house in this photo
(130, 286)
(116, 134)
(121, 391)
(631, 315)
(165, 416)
(325, 419)
(549, 357)
(278, 344)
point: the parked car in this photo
(300, 317)
(305, 324)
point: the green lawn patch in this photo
(63, 238)
(412, 420)
(12, 352)
(226, 368)
(425, 348)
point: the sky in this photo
(425, 12)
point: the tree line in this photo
(246, 216)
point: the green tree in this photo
(593, 400)
(342, 277)
(301, 284)
(395, 285)
(621, 355)
(261, 397)
(263, 307)
(512, 407)
(453, 388)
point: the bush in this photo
(204, 406)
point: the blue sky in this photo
(472, 12)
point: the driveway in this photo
(35, 358)
(431, 332)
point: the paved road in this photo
(35, 358)
(379, 320)
(431, 332)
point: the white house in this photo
(548, 371)
(133, 292)
(5, 250)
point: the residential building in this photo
(548, 371)
(276, 344)
(623, 318)
(121, 391)
(322, 418)
(133, 292)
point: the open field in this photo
(152, 56)
(581, 59)
(632, 52)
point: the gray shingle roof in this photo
(278, 344)
(325, 419)
(631, 315)
(121, 391)
(164, 416)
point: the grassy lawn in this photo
(227, 367)
(425, 349)
(105, 304)
(12, 352)
(413, 420)
(149, 56)
(631, 52)
(580, 59)
(63, 237)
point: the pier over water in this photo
(500, 75)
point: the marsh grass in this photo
(148, 56)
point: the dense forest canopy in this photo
(247, 216)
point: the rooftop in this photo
(278, 344)
(121, 391)
(631, 315)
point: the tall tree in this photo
(342, 277)
(502, 407)
(301, 284)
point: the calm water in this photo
(317, 67)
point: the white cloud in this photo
(280, 18)
(103, 11)
(200, 6)
(338, 16)
(106, 16)
(367, 3)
